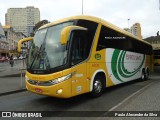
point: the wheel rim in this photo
(97, 86)
(143, 76)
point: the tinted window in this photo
(156, 57)
(90, 33)
(156, 52)
(82, 41)
(79, 49)
(112, 39)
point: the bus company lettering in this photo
(133, 57)
(118, 37)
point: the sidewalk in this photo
(7, 71)
(11, 79)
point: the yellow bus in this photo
(83, 54)
(156, 54)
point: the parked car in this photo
(3, 59)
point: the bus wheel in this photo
(147, 74)
(143, 75)
(97, 87)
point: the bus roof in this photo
(97, 20)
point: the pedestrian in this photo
(158, 33)
(11, 61)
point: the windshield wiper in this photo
(42, 57)
(37, 54)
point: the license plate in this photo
(38, 90)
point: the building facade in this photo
(22, 19)
(154, 41)
(12, 38)
(135, 30)
(4, 46)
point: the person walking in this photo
(158, 33)
(11, 61)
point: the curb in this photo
(12, 92)
(13, 75)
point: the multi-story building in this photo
(136, 30)
(22, 19)
(3, 44)
(12, 38)
(154, 41)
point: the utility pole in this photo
(82, 7)
(128, 23)
(159, 4)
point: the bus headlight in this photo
(58, 80)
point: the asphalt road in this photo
(26, 101)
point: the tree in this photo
(38, 25)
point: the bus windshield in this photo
(46, 51)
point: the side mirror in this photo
(22, 41)
(66, 32)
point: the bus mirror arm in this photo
(20, 42)
(65, 33)
(67, 45)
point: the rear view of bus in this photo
(156, 54)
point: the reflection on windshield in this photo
(55, 51)
(46, 51)
(38, 39)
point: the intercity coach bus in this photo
(83, 54)
(156, 54)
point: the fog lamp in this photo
(59, 91)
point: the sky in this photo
(117, 12)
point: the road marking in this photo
(123, 101)
(129, 97)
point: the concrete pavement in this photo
(10, 77)
(146, 99)
(6, 70)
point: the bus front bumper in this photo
(60, 90)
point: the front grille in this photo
(40, 83)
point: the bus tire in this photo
(147, 74)
(97, 87)
(143, 75)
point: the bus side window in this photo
(78, 47)
(110, 38)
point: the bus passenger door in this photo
(79, 79)
(78, 62)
